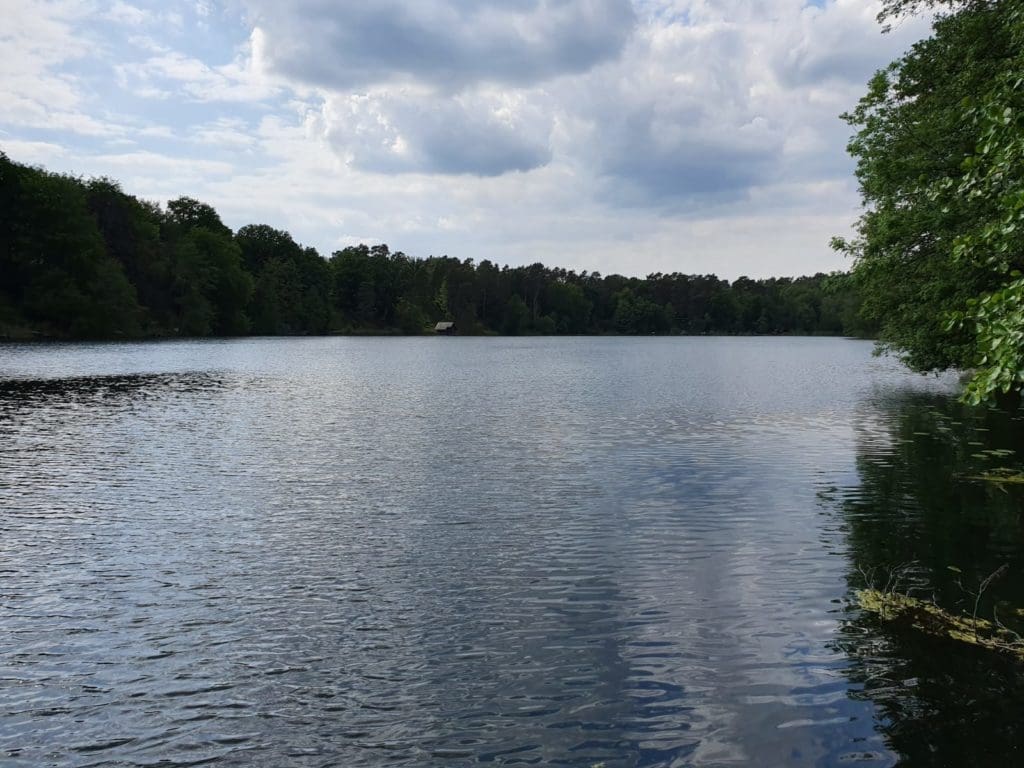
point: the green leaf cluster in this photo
(940, 160)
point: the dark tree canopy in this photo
(85, 259)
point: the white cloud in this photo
(226, 133)
(37, 41)
(152, 162)
(711, 102)
(486, 133)
(172, 74)
(123, 13)
(31, 152)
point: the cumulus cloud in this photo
(837, 44)
(710, 102)
(447, 43)
(678, 120)
(665, 102)
(483, 134)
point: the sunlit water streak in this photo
(436, 551)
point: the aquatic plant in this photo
(1001, 476)
(901, 609)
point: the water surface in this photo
(445, 551)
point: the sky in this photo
(695, 136)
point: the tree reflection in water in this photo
(919, 504)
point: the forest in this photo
(81, 258)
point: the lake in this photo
(455, 551)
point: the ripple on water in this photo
(352, 552)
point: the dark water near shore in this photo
(363, 552)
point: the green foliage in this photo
(569, 306)
(517, 316)
(940, 153)
(995, 174)
(189, 213)
(131, 231)
(409, 318)
(58, 275)
(212, 289)
(637, 315)
(291, 294)
(82, 258)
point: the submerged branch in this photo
(929, 618)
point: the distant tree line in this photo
(83, 259)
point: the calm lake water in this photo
(444, 551)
